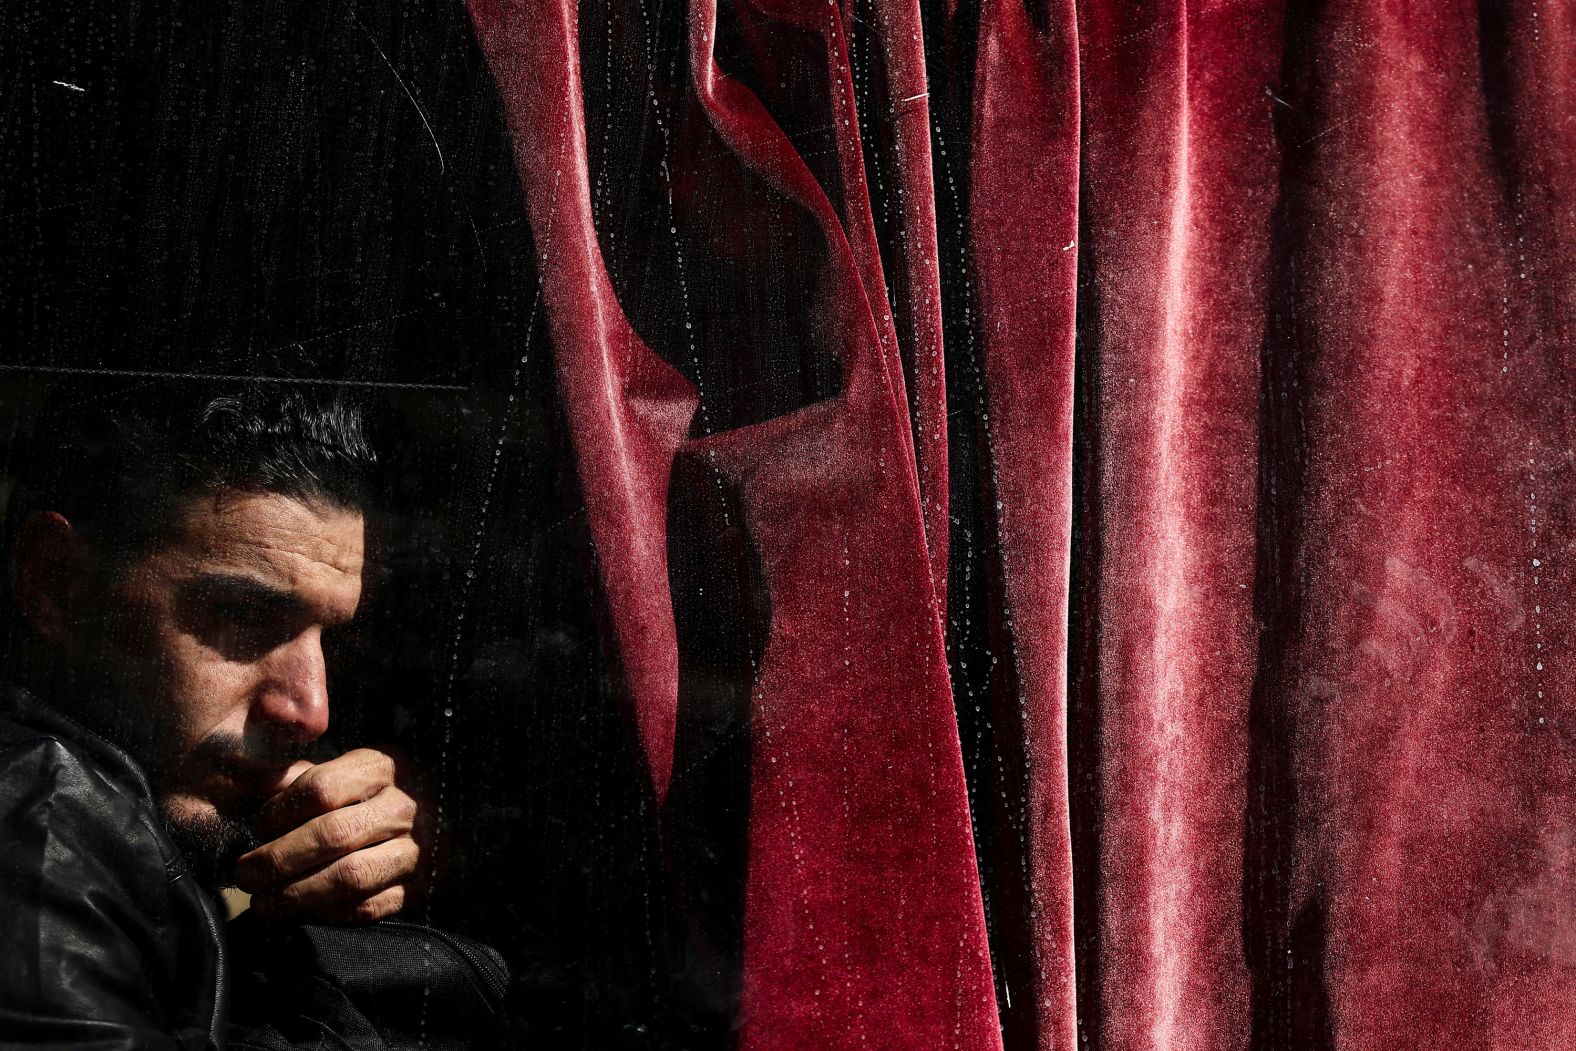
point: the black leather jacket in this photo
(106, 942)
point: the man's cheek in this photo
(209, 693)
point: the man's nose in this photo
(294, 698)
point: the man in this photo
(179, 558)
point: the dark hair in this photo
(118, 461)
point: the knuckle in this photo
(337, 831)
(406, 808)
(271, 866)
(319, 792)
(409, 858)
(370, 909)
(360, 873)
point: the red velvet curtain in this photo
(1228, 344)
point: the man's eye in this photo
(240, 614)
(245, 630)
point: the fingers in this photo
(389, 815)
(378, 907)
(340, 782)
(361, 887)
(343, 848)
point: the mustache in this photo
(230, 751)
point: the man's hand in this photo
(340, 843)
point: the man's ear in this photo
(49, 567)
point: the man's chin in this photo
(210, 839)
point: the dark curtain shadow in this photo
(1085, 762)
(1284, 941)
(722, 615)
(984, 681)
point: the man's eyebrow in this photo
(240, 586)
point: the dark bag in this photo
(387, 986)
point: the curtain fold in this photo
(1133, 442)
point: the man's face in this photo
(208, 655)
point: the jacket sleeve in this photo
(81, 890)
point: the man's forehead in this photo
(283, 537)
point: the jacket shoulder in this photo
(61, 808)
(30, 751)
(97, 922)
